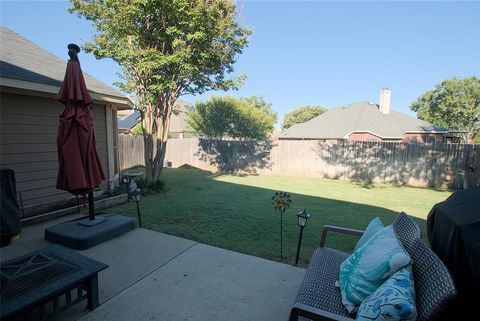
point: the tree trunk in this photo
(147, 128)
(469, 136)
(158, 115)
(148, 156)
(159, 159)
(162, 122)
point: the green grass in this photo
(235, 212)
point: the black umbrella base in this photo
(84, 233)
(89, 222)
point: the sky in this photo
(327, 53)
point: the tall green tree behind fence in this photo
(416, 165)
(453, 104)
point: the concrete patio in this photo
(154, 276)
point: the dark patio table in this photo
(48, 282)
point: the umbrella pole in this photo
(91, 206)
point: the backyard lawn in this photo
(235, 212)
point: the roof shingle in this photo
(339, 122)
(22, 59)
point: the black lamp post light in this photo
(302, 222)
(126, 181)
(136, 195)
(129, 181)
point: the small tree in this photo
(167, 48)
(301, 115)
(137, 130)
(453, 104)
(281, 201)
(259, 103)
(227, 116)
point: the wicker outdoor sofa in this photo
(319, 298)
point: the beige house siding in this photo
(28, 131)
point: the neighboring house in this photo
(124, 113)
(126, 123)
(367, 122)
(30, 78)
(178, 122)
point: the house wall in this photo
(423, 138)
(28, 132)
(363, 137)
(407, 138)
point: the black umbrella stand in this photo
(91, 206)
(86, 232)
(92, 220)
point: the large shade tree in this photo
(166, 48)
(222, 117)
(453, 104)
(301, 115)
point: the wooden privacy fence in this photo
(130, 151)
(416, 165)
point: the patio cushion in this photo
(394, 300)
(373, 227)
(369, 266)
(318, 289)
(318, 299)
(433, 283)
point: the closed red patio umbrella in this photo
(80, 170)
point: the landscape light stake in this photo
(136, 195)
(281, 235)
(302, 222)
(281, 201)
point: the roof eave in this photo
(307, 138)
(39, 89)
(426, 132)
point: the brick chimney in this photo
(385, 101)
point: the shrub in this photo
(151, 187)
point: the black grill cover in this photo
(453, 228)
(9, 209)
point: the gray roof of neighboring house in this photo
(178, 122)
(22, 59)
(339, 122)
(129, 121)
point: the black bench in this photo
(319, 298)
(47, 282)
